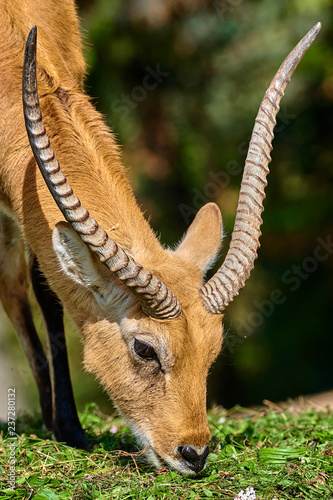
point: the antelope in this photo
(151, 327)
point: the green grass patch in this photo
(280, 454)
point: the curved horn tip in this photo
(312, 33)
(29, 64)
(33, 32)
(32, 40)
(317, 27)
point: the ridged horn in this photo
(220, 290)
(155, 298)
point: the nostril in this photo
(193, 459)
(189, 453)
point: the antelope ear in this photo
(74, 256)
(80, 265)
(202, 241)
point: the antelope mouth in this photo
(177, 463)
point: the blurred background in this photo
(180, 83)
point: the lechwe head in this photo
(150, 336)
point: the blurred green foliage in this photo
(180, 82)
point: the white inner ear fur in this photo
(77, 263)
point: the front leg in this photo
(65, 425)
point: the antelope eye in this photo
(144, 350)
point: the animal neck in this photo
(90, 159)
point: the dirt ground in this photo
(318, 401)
